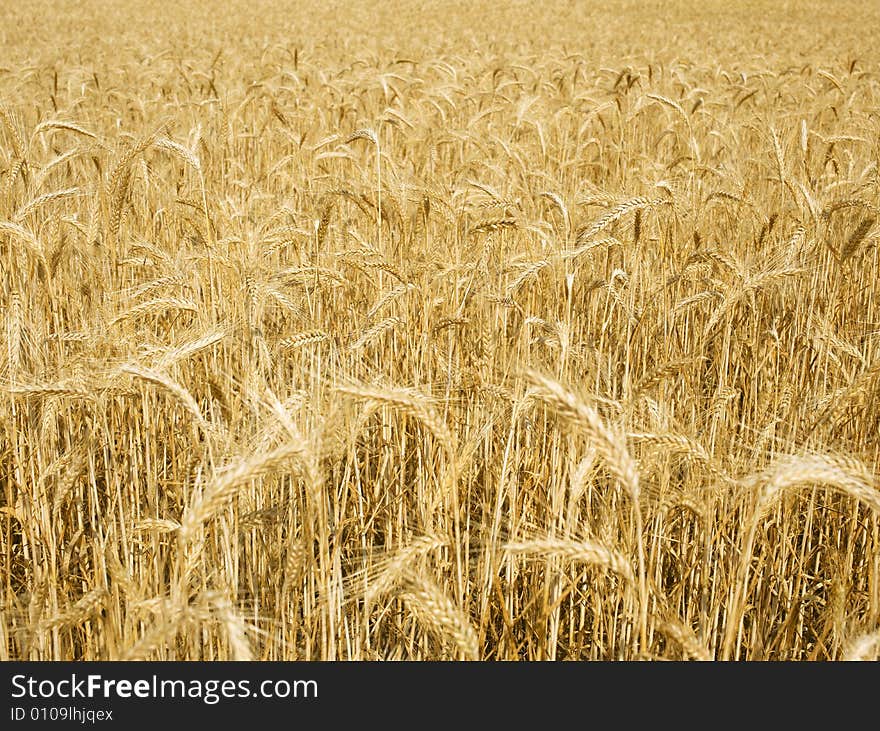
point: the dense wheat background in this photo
(440, 330)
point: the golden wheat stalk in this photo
(612, 448)
(436, 609)
(77, 613)
(584, 551)
(231, 478)
(412, 402)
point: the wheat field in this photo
(461, 330)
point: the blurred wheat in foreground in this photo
(477, 331)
